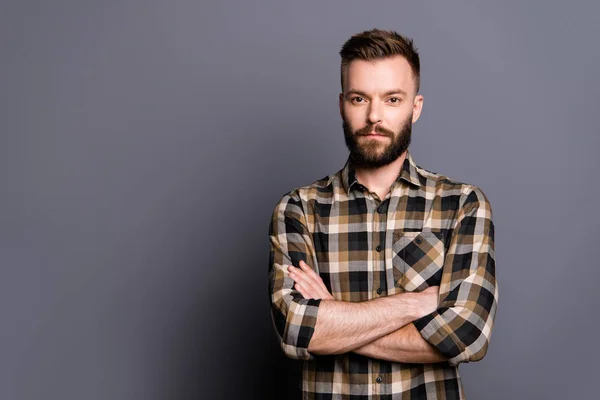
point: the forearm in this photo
(403, 345)
(345, 326)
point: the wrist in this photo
(417, 306)
(411, 306)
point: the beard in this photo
(366, 153)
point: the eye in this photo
(395, 100)
(357, 99)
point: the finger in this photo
(311, 280)
(308, 284)
(435, 289)
(300, 275)
(306, 268)
(310, 273)
(299, 288)
(309, 293)
(306, 291)
(315, 280)
(296, 274)
(291, 269)
(317, 288)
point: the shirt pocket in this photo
(417, 259)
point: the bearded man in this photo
(382, 275)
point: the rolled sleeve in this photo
(461, 327)
(290, 241)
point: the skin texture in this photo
(378, 97)
(346, 326)
(405, 344)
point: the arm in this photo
(340, 326)
(403, 345)
(459, 331)
(344, 326)
(294, 317)
(461, 327)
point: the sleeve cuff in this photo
(301, 328)
(434, 329)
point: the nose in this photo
(374, 113)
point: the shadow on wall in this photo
(286, 378)
(226, 349)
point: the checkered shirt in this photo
(428, 231)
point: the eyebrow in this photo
(389, 92)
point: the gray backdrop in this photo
(144, 145)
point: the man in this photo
(382, 276)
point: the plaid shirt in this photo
(427, 231)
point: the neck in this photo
(380, 179)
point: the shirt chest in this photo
(367, 248)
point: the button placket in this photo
(376, 242)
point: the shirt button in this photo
(378, 380)
(378, 248)
(379, 291)
(419, 240)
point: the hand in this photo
(308, 282)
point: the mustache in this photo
(378, 129)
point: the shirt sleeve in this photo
(290, 241)
(462, 325)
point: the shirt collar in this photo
(408, 173)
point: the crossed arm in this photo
(403, 327)
(379, 328)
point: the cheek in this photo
(398, 117)
(355, 115)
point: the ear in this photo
(417, 107)
(342, 105)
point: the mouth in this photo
(372, 134)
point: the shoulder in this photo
(321, 190)
(443, 187)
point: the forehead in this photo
(379, 76)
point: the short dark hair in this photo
(377, 44)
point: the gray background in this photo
(144, 145)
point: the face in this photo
(379, 97)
